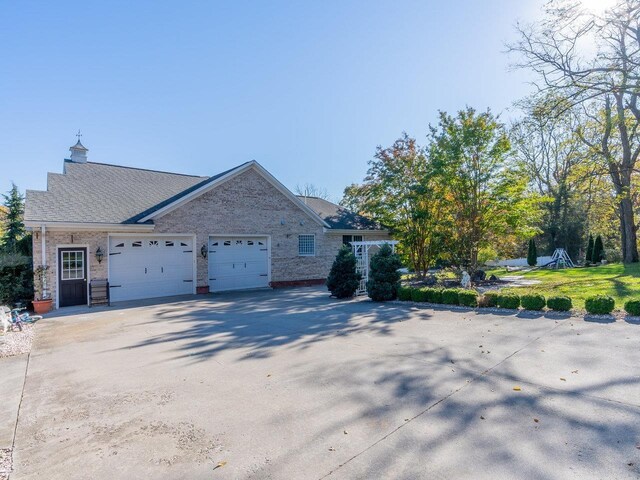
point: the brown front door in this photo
(72, 276)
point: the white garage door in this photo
(237, 263)
(148, 266)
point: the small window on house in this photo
(306, 245)
(120, 245)
(168, 243)
(182, 244)
(260, 243)
(347, 239)
(214, 244)
(238, 242)
(153, 243)
(137, 243)
(227, 243)
(249, 242)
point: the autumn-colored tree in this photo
(488, 194)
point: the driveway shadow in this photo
(259, 322)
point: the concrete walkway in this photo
(290, 384)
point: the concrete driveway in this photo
(290, 384)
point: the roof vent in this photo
(78, 151)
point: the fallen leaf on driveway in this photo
(331, 449)
(536, 420)
(563, 379)
(481, 417)
(346, 433)
(268, 375)
(517, 389)
(220, 465)
(575, 371)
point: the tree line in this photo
(566, 169)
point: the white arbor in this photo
(363, 252)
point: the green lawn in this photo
(622, 282)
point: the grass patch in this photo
(619, 281)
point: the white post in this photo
(43, 258)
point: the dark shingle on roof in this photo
(102, 193)
(339, 217)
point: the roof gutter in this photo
(82, 226)
(350, 231)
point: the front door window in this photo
(73, 265)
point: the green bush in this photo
(599, 304)
(434, 295)
(532, 253)
(632, 307)
(508, 301)
(450, 296)
(559, 304)
(343, 279)
(384, 278)
(468, 298)
(532, 301)
(418, 295)
(405, 293)
(489, 299)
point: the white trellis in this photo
(362, 251)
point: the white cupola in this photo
(78, 151)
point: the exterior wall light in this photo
(99, 255)
(203, 251)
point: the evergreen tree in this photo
(343, 279)
(532, 253)
(589, 254)
(598, 249)
(13, 225)
(384, 278)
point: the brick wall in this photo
(247, 204)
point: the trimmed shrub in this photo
(405, 293)
(468, 298)
(559, 304)
(588, 257)
(532, 253)
(509, 301)
(532, 301)
(450, 296)
(488, 300)
(632, 307)
(434, 295)
(384, 278)
(598, 250)
(418, 295)
(599, 304)
(343, 279)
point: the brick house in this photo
(154, 234)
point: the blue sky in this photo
(309, 89)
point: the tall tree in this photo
(14, 229)
(488, 195)
(594, 62)
(588, 257)
(551, 153)
(402, 193)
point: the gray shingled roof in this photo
(339, 217)
(102, 193)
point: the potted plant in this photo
(42, 302)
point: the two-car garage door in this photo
(150, 266)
